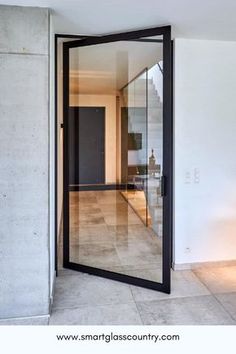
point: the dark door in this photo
(86, 127)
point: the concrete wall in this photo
(24, 162)
(205, 150)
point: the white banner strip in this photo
(117, 340)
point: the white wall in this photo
(205, 151)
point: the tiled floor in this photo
(106, 233)
(201, 297)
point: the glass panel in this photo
(115, 157)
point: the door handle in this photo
(162, 185)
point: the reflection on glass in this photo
(115, 157)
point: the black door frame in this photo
(57, 36)
(165, 286)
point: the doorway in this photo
(117, 170)
(86, 145)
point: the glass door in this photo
(118, 157)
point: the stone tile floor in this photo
(206, 296)
(106, 233)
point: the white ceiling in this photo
(106, 68)
(203, 19)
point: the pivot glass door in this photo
(118, 156)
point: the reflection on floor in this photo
(138, 202)
(106, 233)
(205, 296)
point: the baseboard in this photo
(26, 321)
(96, 187)
(189, 266)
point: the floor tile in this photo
(79, 217)
(82, 210)
(105, 232)
(138, 253)
(218, 280)
(83, 289)
(121, 314)
(115, 208)
(109, 199)
(199, 310)
(75, 195)
(153, 273)
(228, 301)
(121, 220)
(137, 270)
(84, 199)
(65, 271)
(82, 236)
(89, 220)
(184, 284)
(95, 254)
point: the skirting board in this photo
(189, 266)
(96, 187)
(26, 321)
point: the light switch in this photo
(196, 175)
(187, 177)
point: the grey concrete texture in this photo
(84, 290)
(120, 314)
(197, 310)
(228, 300)
(24, 167)
(24, 29)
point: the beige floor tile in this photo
(105, 232)
(84, 238)
(75, 211)
(121, 220)
(135, 269)
(114, 208)
(90, 220)
(153, 273)
(83, 200)
(98, 255)
(138, 253)
(218, 280)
